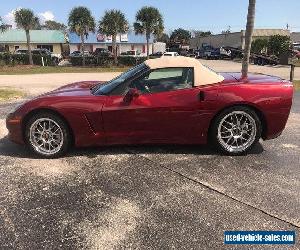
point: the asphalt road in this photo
(154, 197)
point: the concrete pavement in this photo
(148, 197)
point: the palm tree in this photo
(112, 24)
(3, 26)
(248, 37)
(81, 22)
(148, 21)
(25, 19)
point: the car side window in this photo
(165, 79)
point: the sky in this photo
(213, 15)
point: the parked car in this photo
(79, 53)
(156, 55)
(191, 53)
(133, 53)
(76, 53)
(21, 51)
(225, 53)
(170, 54)
(102, 52)
(173, 100)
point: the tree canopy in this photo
(25, 19)
(278, 44)
(81, 21)
(163, 38)
(148, 21)
(113, 23)
(181, 36)
(3, 26)
(200, 33)
(53, 25)
(258, 45)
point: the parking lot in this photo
(146, 197)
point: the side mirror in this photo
(130, 95)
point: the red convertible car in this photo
(161, 101)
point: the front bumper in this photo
(14, 126)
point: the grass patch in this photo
(296, 85)
(25, 70)
(10, 94)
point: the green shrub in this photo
(5, 58)
(77, 60)
(130, 60)
(106, 61)
(258, 45)
(278, 45)
(23, 59)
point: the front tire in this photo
(236, 130)
(47, 135)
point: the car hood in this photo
(79, 85)
(76, 89)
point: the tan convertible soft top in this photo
(202, 74)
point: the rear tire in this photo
(236, 130)
(47, 135)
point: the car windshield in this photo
(103, 89)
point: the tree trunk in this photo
(248, 37)
(29, 47)
(82, 49)
(147, 38)
(114, 48)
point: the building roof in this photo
(295, 37)
(92, 39)
(202, 74)
(36, 36)
(269, 32)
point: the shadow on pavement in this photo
(8, 148)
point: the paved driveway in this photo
(154, 197)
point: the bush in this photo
(130, 60)
(77, 60)
(106, 61)
(258, 45)
(5, 58)
(278, 45)
(23, 59)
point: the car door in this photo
(166, 108)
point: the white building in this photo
(125, 42)
(234, 39)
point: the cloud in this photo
(46, 16)
(9, 18)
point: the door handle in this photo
(201, 96)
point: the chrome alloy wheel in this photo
(46, 136)
(237, 131)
